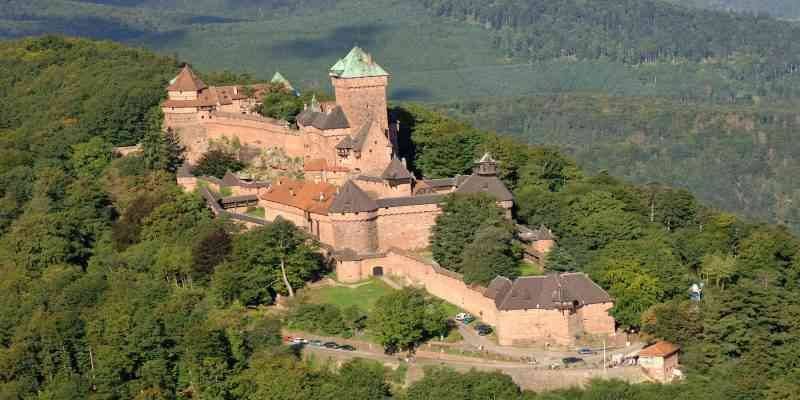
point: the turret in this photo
(486, 166)
(360, 86)
(185, 86)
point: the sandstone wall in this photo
(596, 319)
(273, 210)
(177, 95)
(358, 232)
(361, 98)
(520, 327)
(408, 227)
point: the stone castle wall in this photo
(408, 227)
(262, 133)
(361, 98)
(516, 327)
(357, 232)
(596, 319)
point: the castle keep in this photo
(358, 198)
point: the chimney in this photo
(321, 196)
(291, 191)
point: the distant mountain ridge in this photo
(789, 9)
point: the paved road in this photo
(543, 357)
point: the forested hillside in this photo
(739, 158)
(114, 284)
(778, 8)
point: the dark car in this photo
(330, 345)
(483, 329)
(347, 347)
(571, 360)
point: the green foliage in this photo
(162, 150)
(403, 319)
(456, 229)
(217, 162)
(722, 153)
(91, 158)
(325, 319)
(254, 273)
(280, 103)
(491, 253)
(446, 384)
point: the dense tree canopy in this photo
(114, 284)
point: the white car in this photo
(299, 340)
(464, 317)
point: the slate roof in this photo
(352, 199)
(360, 137)
(485, 184)
(333, 119)
(357, 64)
(186, 81)
(396, 170)
(346, 143)
(247, 198)
(660, 349)
(410, 200)
(545, 292)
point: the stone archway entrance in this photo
(377, 271)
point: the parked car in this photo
(315, 343)
(288, 339)
(483, 329)
(571, 360)
(585, 351)
(347, 347)
(465, 317)
(299, 340)
(330, 345)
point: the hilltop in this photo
(115, 284)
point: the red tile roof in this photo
(660, 349)
(312, 197)
(186, 81)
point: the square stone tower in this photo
(359, 84)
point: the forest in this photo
(114, 284)
(739, 158)
(789, 9)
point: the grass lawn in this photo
(257, 212)
(364, 296)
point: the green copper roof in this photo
(278, 78)
(357, 64)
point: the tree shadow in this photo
(337, 42)
(409, 94)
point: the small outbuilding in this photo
(660, 361)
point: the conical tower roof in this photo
(186, 81)
(278, 78)
(357, 64)
(396, 171)
(351, 199)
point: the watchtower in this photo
(360, 84)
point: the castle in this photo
(360, 201)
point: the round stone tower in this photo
(353, 215)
